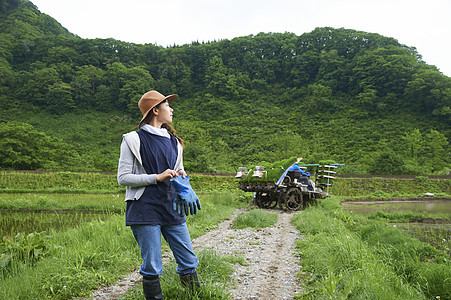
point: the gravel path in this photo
(271, 267)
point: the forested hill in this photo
(331, 94)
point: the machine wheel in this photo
(293, 200)
(265, 200)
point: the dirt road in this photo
(270, 270)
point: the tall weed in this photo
(343, 266)
(94, 252)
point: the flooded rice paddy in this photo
(428, 206)
(431, 229)
(20, 221)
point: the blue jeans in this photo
(178, 238)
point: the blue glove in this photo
(190, 202)
(179, 205)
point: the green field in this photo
(64, 242)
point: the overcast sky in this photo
(423, 24)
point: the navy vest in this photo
(155, 206)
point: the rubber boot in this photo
(152, 288)
(189, 280)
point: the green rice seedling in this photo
(14, 222)
(437, 235)
(86, 182)
(57, 201)
(255, 218)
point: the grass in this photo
(25, 222)
(84, 182)
(94, 253)
(345, 256)
(255, 218)
(62, 201)
(67, 182)
(94, 183)
(214, 273)
(385, 188)
(438, 235)
(404, 216)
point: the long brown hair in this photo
(168, 127)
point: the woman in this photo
(149, 158)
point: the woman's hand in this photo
(168, 174)
(181, 172)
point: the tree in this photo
(386, 162)
(137, 82)
(115, 80)
(220, 81)
(24, 148)
(85, 84)
(385, 71)
(435, 150)
(59, 98)
(431, 91)
(414, 143)
(318, 99)
(37, 87)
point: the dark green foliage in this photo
(339, 94)
(24, 148)
(387, 163)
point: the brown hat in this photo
(151, 99)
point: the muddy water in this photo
(429, 206)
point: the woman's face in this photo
(164, 113)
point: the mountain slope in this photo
(23, 21)
(339, 94)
